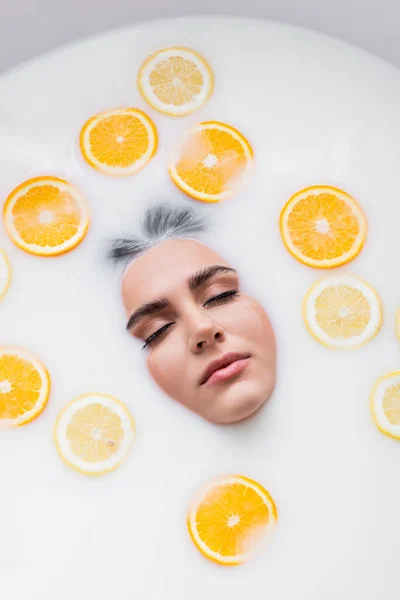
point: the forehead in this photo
(165, 267)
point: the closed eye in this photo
(224, 297)
(150, 340)
(230, 295)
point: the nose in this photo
(205, 332)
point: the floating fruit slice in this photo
(212, 161)
(385, 404)
(46, 216)
(24, 386)
(228, 517)
(175, 81)
(93, 433)
(323, 227)
(342, 312)
(119, 142)
(5, 273)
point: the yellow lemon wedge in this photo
(212, 162)
(385, 404)
(119, 142)
(46, 216)
(323, 226)
(342, 312)
(228, 517)
(5, 273)
(176, 81)
(94, 433)
(24, 386)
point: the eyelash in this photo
(224, 297)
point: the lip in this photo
(217, 370)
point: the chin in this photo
(241, 408)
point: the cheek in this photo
(251, 322)
(166, 365)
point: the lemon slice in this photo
(94, 433)
(24, 386)
(119, 142)
(385, 404)
(214, 159)
(398, 324)
(342, 312)
(46, 216)
(175, 81)
(5, 273)
(228, 517)
(323, 226)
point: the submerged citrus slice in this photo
(228, 517)
(213, 159)
(5, 273)
(46, 216)
(176, 81)
(342, 312)
(93, 433)
(119, 142)
(24, 386)
(323, 226)
(398, 323)
(385, 404)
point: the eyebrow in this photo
(195, 281)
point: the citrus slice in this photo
(119, 142)
(228, 517)
(398, 323)
(385, 404)
(46, 216)
(323, 227)
(24, 386)
(175, 81)
(93, 433)
(342, 312)
(212, 160)
(5, 273)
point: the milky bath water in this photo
(316, 111)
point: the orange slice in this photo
(228, 517)
(46, 216)
(94, 433)
(24, 386)
(119, 142)
(213, 160)
(323, 227)
(385, 404)
(5, 273)
(176, 81)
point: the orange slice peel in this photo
(228, 518)
(323, 227)
(24, 386)
(213, 162)
(46, 216)
(119, 142)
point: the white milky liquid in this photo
(315, 111)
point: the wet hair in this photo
(160, 222)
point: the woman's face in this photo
(186, 305)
